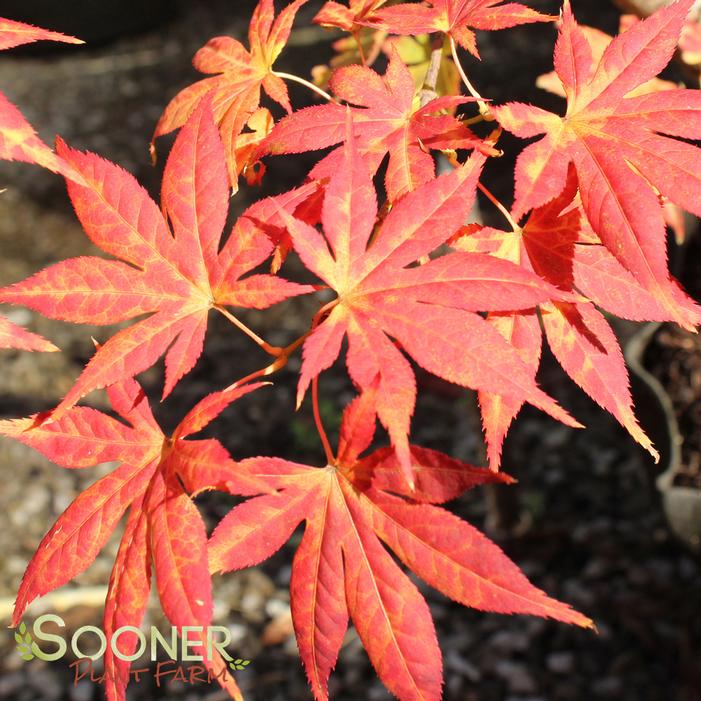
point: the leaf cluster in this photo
(412, 281)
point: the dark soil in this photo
(591, 529)
(674, 357)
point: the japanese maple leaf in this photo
(14, 33)
(350, 18)
(622, 147)
(13, 336)
(352, 509)
(237, 77)
(598, 41)
(690, 43)
(430, 309)
(18, 140)
(456, 18)
(387, 121)
(577, 333)
(164, 531)
(175, 278)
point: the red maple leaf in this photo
(14, 33)
(18, 140)
(387, 121)
(430, 310)
(352, 508)
(238, 75)
(456, 18)
(155, 480)
(550, 244)
(13, 336)
(176, 278)
(349, 18)
(621, 146)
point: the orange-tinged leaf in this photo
(523, 333)
(239, 76)
(14, 33)
(621, 146)
(84, 437)
(80, 532)
(342, 568)
(556, 244)
(176, 278)
(178, 541)
(350, 18)
(437, 477)
(425, 308)
(574, 53)
(391, 617)
(455, 558)
(358, 425)
(455, 17)
(127, 597)
(164, 528)
(317, 594)
(387, 120)
(13, 336)
(19, 142)
(586, 347)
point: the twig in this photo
(428, 91)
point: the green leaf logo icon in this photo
(24, 642)
(239, 664)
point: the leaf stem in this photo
(484, 108)
(330, 459)
(271, 350)
(359, 44)
(499, 206)
(296, 79)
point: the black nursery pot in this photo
(656, 412)
(94, 21)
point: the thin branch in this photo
(428, 91)
(277, 364)
(306, 83)
(283, 354)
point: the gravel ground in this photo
(591, 530)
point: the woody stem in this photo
(484, 108)
(306, 83)
(319, 424)
(272, 350)
(283, 354)
(282, 358)
(499, 206)
(428, 91)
